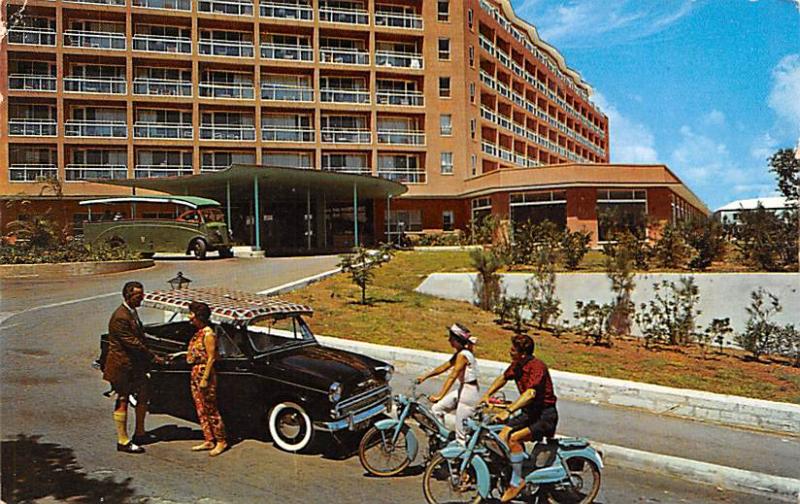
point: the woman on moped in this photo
(464, 370)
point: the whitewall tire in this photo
(290, 427)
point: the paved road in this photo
(57, 433)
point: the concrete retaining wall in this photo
(723, 409)
(71, 269)
(721, 294)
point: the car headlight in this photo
(387, 370)
(335, 392)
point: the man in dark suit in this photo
(126, 366)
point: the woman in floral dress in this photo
(202, 354)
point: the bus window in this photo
(189, 216)
(212, 215)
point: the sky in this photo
(711, 88)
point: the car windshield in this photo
(212, 214)
(269, 333)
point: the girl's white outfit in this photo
(463, 399)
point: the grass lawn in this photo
(399, 316)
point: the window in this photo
(472, 92)
(472, 127)
(444, 48)
(474, 162)
(444, 87)
(472, 56)
(443, 11)
(447, 163)
(447, 220)
(470, 19)
(446, 124)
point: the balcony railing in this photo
(157, 43)
(401, 137)
(95, 40)
(148, 171)
(489, 148)
(227, 48)
(32, 82)
(181, 131)
(279, 92)
(402, 176)
(95, 129)
(286, 134)
(24, 172)
(398, 59)
(353, 170)
(229, 7)
(287, 52)
(487, 79)
(96, 171)
(102, 85)
(31, 36)
(32, 127)
(346, 135)
(234, 91)
(99, 2)
(160, 87)
(343, 56)
(398, 20)
(346, 16)
(180, 5)
(400, 98)
(359, 96)
(227, 132)
(277, 10)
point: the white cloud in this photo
(763, 147)
(784, 96)
(699, 157)
(631, 141)
(714, 118)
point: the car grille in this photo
(362, 401)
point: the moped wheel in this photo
(382, 457)
(443, 483)
(585, 477)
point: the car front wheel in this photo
(290, 427)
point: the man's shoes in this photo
(131, 447)
(511, 492)
(144, 439)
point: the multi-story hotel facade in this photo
(458, 99)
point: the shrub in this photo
(671, 250)
(706, 237)
(487, 285)
(789, 346)
(765, 240)
(528, 237)
(541, 287)
(761, 335)
(511, 309)
(486, 230)
(670, 316)
(715, 334)
(574, 247)
(361, 265)
(620, 261)
(631, 248)
(593, 320)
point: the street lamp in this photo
(179, 282)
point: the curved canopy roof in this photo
(770, 203)
(190, 201)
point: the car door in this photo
(238, 384)
(169, 384)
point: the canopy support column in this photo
(389, 219)
(256, 213)
(355, 215)
(309, 231)
(228, 202)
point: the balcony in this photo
(346, 135)
(279, 92)
(343, 56)
(23, 172)
(148, 171)
(287, 52)
(488, 79)
(160, 44)
(161, 87)
(177, 131)
(400, 98)
(398, 59)
(345, 16)
(95, 129)
(227, 132)
(31, 36)
(357, 96)
(31, 82)
(489, 148)
(32, 127)
(95, 171)
(401, 137)
(229, 49)
(398, 20)
(352, 170)
(286, 134)
(119, 3)
(402, 176)
(178, 5)
(233, 90)
(227, 7)
(95, 85)
(277, 10)
(95, 40)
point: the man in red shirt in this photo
(537, 400)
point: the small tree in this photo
(715, 333)
(789, 346)
(766, 240)
(761, 335)
(706, 237)
(671, 250)
(593, 320)
(619, 263)
(511, 309)
(670, 316)
(487, 285)
(574, 247)
(541, 287)
(361, 265)
(528, 237)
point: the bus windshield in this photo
(212, 215)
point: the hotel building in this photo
(460, 100)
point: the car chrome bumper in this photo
(352, 420)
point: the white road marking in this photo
(8, 315)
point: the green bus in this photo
(151, 224)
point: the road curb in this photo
(71, 269)
(299, 284)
